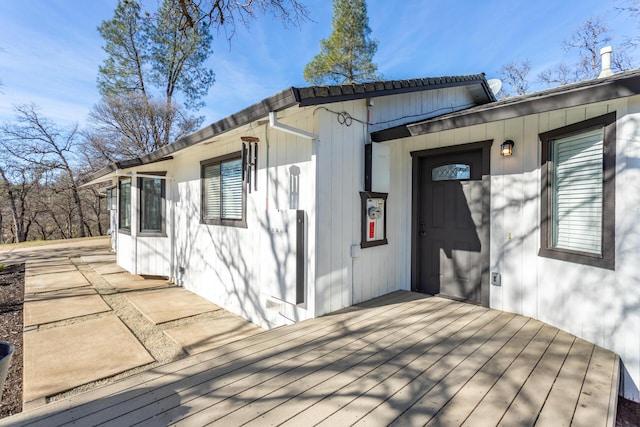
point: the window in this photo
(152, 195)
(578, 186)
(112, 199)
(223, 197)
(451, 172)
(124, 208)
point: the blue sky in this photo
(52, 50)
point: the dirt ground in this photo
(11, 326)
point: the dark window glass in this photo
(152, 204)
(124, 209)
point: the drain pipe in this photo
(274, 124)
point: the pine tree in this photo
(346, 56)
(151, 61)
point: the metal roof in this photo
(303, 97)
(619, 85)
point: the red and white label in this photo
(372, 230)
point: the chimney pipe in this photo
(605, 53)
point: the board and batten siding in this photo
(343, 280)
(232, 266)
(599, 305)
(140, 254)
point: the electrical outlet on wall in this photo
(496, 279)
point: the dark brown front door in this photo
(451, 242)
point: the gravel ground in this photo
(160, 346)
(11, 321)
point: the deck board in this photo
(453, 381)
(526, 406)
(459, 408)
(374, 359)
(563, 398)
(236, 371)
(326, 398)
(497, 401)
(133, 393)
(591, 409)
(403, 359)
(308, 367)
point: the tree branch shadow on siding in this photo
(608, 304)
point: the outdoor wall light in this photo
(506, 149)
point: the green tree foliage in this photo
(346, 56)
(152, 62)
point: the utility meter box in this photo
(374, 219)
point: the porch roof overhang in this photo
(111, 170)
(303, 97)
(587, 92)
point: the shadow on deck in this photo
(403, 359)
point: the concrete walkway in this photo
(89, 322)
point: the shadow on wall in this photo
(602, 306)
(249, 264)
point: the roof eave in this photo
(598, 92)
(278, 102)
(394, 87)
(316, 95)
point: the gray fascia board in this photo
(588, 94)
(121, 165)
(280, 101)
(289, 98)
(285, 99)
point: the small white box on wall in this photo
(377, 167)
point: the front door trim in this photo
(485, 146)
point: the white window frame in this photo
(161, 232)
(121, 214)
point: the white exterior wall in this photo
(232, 266)
(140, 254)
(342, 280)
(599, 305)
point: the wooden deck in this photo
(404, 359)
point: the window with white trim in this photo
(124, 205)
(112, 199)
(152, 206)
(578, 206)
(223, 194)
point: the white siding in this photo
(393, 110)
(600, 305)
(341, 279)
(150, 255)
(222, 263)
(124, 253)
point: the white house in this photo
(287, 211)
